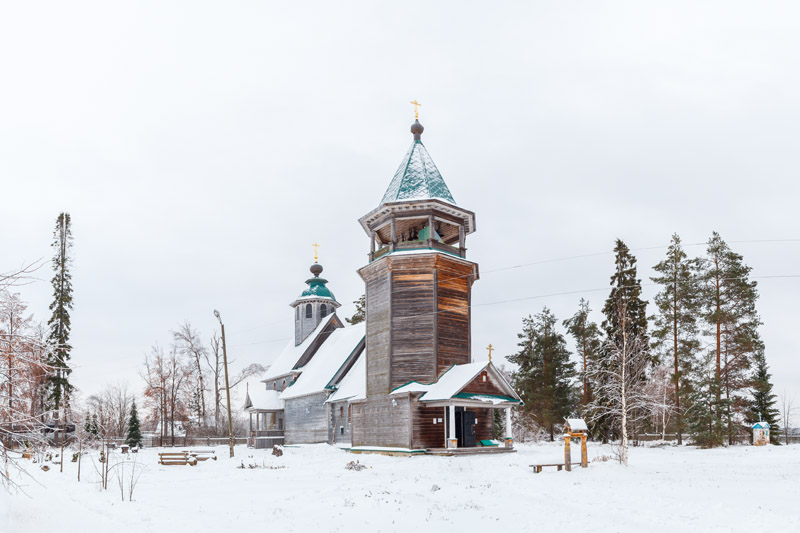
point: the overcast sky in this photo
(201, 149)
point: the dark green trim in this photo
(472, 395)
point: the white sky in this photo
(202, 147)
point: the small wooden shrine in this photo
(575, 428)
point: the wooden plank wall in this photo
(426, 434)
(491, 386)
(413, 321)
(337, 421)
(377, 348)
(484, 428)
(453, 324)
(306, 419)
(377, 422)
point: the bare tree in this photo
(621, 392)
(188, 344)
(788, 412)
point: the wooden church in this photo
(422, 389)
(405, 379)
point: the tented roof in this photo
(334, 352)
(417, 178)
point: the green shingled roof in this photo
(417, 178)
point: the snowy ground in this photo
(664, 489)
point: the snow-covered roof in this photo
(450, 383)
(334, 352)
(354, 384)
(262, 399)
(577, 424)
(291, 354)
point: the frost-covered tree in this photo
(545, 371)
(675, 332)
(59, 386)
(622, 396)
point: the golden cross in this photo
(315, 245)
(416, 111)
(491, 349)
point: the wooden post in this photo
(584, 459)
(393, 235)
(461, 240)
(509, 434)
(452, 441)
(372, 245)
(430, 231)
(567, 454)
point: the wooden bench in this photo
(174, 458)
(202, 454)
(538, 468)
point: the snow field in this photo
(672, 489)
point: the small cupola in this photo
(313, 305)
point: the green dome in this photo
(317, 289)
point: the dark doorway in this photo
(465, 429)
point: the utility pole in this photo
(227, 385)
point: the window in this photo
(323, 310)
(349, 411)
(283, 387)
(308, 310)
(297, 312)
(274, 386)
(341, 412)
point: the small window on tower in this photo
(323, 310)
(484, 377)
(297, 312)
(283, 387)
(308, 310)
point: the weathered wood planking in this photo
(306, 419)
(490, 386)
(412, 334)
(378, 285)
(340, 425)
(382, 421)
(426, 433)
(453, 325)
(484, 427)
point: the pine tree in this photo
(360, 314)
(134, 437)
(706, 427)
(587, 342)
(626, 291)
(545, 371)
(675, 324)
(728, 298)
(763, 405)
(59, 387)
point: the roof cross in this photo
(491, 349)
(416, 111)
(315, 245)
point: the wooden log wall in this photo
(484, 427)
(378, 285)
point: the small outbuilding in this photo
(760, 433)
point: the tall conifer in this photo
(587, 343)
(675, 324)
(763, 404)
(545, 371)
(59, 387)
(728, 298)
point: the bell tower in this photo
(313, 305)
(418, 279)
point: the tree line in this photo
(695, 367)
